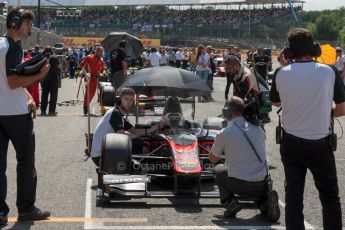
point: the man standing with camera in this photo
(306, 91)
(245, 172)
(17, 110)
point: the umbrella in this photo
(328, 55)
(111, 42)
(167, 81)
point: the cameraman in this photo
(306, 90)
(16, 121)
(50, 85)
(246, 82)
(246, 169)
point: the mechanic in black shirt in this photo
(114, 121)
(261, 61)
(50, 84)
(118, 64)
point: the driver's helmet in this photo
(175, 120)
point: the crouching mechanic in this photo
(245, 170)
(114, 121)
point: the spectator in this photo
(50, 84)
(154, 58)
(185, 58)
(72, 63)
(34, 88)
(17, 112)
(172, 57)
(163, 61)
(36, 51)
(203, 61)
(192, 60)
(245, 172)
(340, 63)
(118, 64)
(261, 62)
(179, 57)
(306, 91)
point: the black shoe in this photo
(273, 210)
(232, 208)
(3, 219)
(52, 113)
(43, 113)
(36, 214)
(85, 110)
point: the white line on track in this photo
(88, 202)
(306, 224)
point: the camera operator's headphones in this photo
(227, 112)
(16, 19)
(288, 53)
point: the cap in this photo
(339, 49)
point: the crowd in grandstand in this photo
(106, 17)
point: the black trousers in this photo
(178, 63)
(117, 79)
(184, 64)
(298, 156)
(49, 87)
(18, 129)
(229, 80)
(229, 186)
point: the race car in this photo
(173, 163)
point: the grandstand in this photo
(174, 22)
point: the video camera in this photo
(257, 108)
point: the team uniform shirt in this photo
(306, 92)
(117, 56)
(240, 158)
(12, 101)
(94, 66)
(154, 59)
(112, 122)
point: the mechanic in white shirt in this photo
(154, 58)
(340, 63)
(244, 170)
(114, 121)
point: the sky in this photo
(323, 4)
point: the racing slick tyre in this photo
(116, 154)
(216, 123)
(108, 96)
(101, 84)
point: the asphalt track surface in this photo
(66, 183)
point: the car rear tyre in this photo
(108, 96)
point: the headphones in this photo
(288, 53)
(227, 112)
(16, 20)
